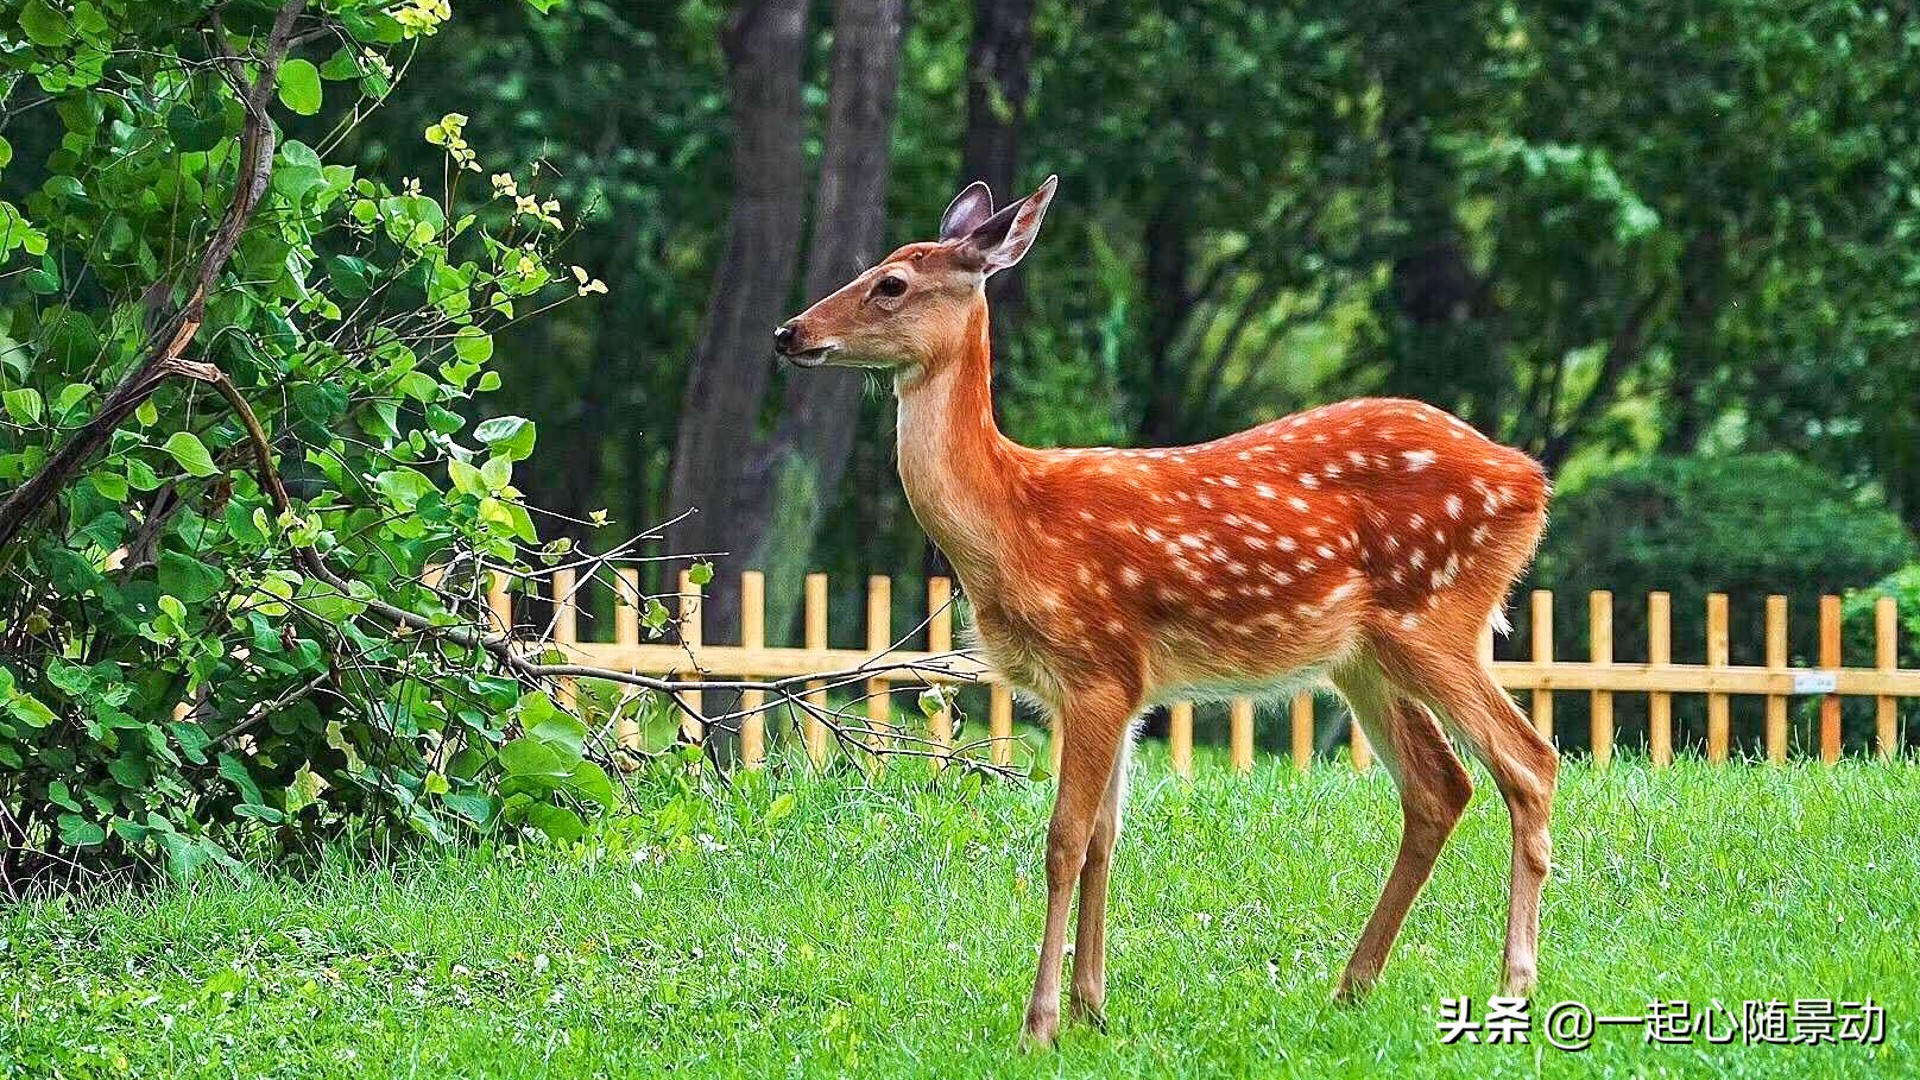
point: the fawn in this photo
(1366, 543)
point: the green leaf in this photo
(300, 86)
(77, 831)
(474, 807)
(700, 573)
(186, 577)
(24, 405)
(235, 771)
(342, 66)
(497, 473)
(562, 733)
(473, 344)
(655, 616)
(589, 783)
(351, 277)
(466, 478)
(44, 24)
(530, 757)
(510, 437)
(30, 711)
(191, 453)
(558, 822)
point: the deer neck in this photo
(959, 471)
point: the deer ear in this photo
(1004, 238)
(967, 210)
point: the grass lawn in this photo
(890, 930)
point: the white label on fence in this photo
(1814, 682)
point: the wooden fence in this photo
(1601, 675)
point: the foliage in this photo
(1746, 524)
(1600, 231)
(887, 930)
(188, 654)
(1859, 643)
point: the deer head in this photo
(908, 310)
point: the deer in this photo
(1364, 544)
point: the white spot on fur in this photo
(1418, 459)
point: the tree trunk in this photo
(800, 473)
(764, 42)
(1169, 302)
(999, 62)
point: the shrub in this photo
(236, 436)
(1748, 525)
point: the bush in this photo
(1747, 525)
(1859, 639)
(236, 435)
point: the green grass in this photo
(890, 930)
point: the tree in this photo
(752, 288)
(744, 483)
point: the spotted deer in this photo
(1366, 544)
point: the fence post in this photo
(500, 602)
(1776, 661)
(879, 640)
(940, 640)
(1302, 729)
(1000, 723)
(816, 641)
(693, 727)
(1659, 655)
(1830, 659)
(1886, 657)
(753, 635)
(1240, 733)
(626, 631)
(1180, 738)
(566, 631)
(1600, 650)
(1543, 655)
(1719, 722)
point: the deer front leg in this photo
(1088, 994)
(1093, 729)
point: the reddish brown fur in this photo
(1367, 541)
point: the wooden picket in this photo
(1602, 676)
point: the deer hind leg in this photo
(1524, 767)
(1088, 994)
(1094, 725)
(1434, 790)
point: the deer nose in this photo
(783, 339)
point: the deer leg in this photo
(1524, 767)
(1434, 790)
(1088, 994)
(1093, 733)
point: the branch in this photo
(171, 338)
(507, 652)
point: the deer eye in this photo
(891, 285)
